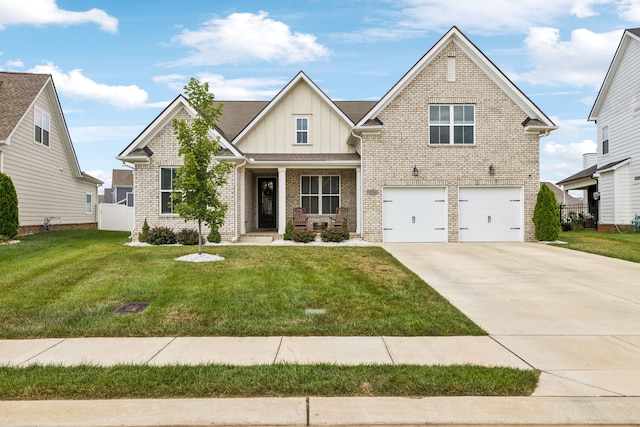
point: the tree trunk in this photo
(199, 237)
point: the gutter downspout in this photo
(360, 199)
(133, 168)
(237, 207)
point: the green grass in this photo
(69, 283)
(119, 382)
(624, 246)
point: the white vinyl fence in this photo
(115, 217)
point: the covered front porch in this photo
(267, 194)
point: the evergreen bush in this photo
(303, 236)
(546, 215)
(142, 237)
(345, 229)
(9, 222)
(288, 230)
(214, 236)
(161, 236)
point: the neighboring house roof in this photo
(18, 93)
(586, 173)
(537, 121)
(122, 178)
(561, 196)
(630, 35)
(613, 165)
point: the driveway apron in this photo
(573, 315)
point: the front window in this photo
(88, 203)
(451, 124)
(605, 139)
(42, 127)
(320, 194)
(167, 180)
(302, 130)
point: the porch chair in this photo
(300, 219)
(341, 215)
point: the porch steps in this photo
(255, 239)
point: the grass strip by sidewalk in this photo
(223, 381)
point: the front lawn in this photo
(624, 246)
(69, 283)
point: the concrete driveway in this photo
(573, 315)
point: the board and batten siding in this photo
(622, 187)
(276, 132)
(619, 113)
(44, 177)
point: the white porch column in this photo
(359, 216)
(282, 199)
(241, 201)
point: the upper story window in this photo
(605, 139)
(167, 180)
(42, 126)
(302, 130)
(451, 124)
(320, 194)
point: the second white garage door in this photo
(490, 214)
(414, 214)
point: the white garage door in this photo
(490, 214)
(414, 214)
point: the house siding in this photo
(404, 142)
(275, 133)
(617, 112)
(44, 177)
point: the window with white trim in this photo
(167, 181)
(320, 194)
(302, 130)
(89, 203)
(605, 139)
(42, 122)
(451, 124)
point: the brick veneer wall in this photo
(388, 157)
(147, 188)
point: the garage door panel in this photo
(413, 214)
(490, 214)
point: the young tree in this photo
(546, 215)
(8, 208)
(197, 181)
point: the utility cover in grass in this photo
(200, 258)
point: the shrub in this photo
(142, 237)
(9, 222)
(214, 236)
(332, 235)
(161, 236)
(187, 236)
(546, 215)
(345, 229)
(288, 230)
(303, 236)
(566, 226)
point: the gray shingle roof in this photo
(17, 92)
(587, 173)
(635, 31)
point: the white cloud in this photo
(561, 160)
(248, 37)
(228, 89)
(43, 12)
(104, 176)
(75, 84)
(570, 151)
(584, 9)
(629, 10)
(89, 134)
(581, 61)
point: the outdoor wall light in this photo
(415, 171)
(492, 169)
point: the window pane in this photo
(166, 202)
(38, 134)
(330, 204)
(38, 118)
(301, 138)
(458, 135)
(166, 175)
(302, 124)
(439, 134)
(434, 114)
(315, 186)
(326, 185)
(468, 135)
(306, 185)
(45, 138)
(458, 114)
(468, 115)
(445, 114)
(45, 121)
(310, 203)
(335, 185)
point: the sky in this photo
(117, 63)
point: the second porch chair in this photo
(300, 219)
(341, 215)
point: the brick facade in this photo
(388, 157)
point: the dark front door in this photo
(266, 203)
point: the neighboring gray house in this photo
(37, 153)
(121, 190)
(614, 181)
(450, 153)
